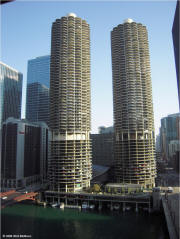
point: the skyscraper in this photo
(169, 131)
(24, 153)
(102, 146)
(37, 96)
(70, 160)
(175, 35)
(133, 109)
(10, 92)
(39, 70)
(37, 102)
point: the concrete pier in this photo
(173, 234)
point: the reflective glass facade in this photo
(10, 92)
(37, 96)
(37, 102)
(169, 131)
(39, 70)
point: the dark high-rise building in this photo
(105, 130)
(175, 34)
(169, 131)
(102, 146)
(10, 92)
(70, 159)
(24, 153)
(134, 145)
(37, 103)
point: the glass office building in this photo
(170, 130)
(37, 95)
(10, 92)
(39, 70)
(37, 103)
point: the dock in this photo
(136, 202)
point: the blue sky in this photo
(26, 34)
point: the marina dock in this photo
(122, 202)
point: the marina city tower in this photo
(70, 158)
(134, 140)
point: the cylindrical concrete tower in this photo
(70, 159)
(133, 108)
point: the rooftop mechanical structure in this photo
(70, 160)
(134, 140)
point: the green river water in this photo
(31, 221)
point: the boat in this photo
(54, 204)
(61, 205)
(73, 206)
(85, 205)
(92, 206)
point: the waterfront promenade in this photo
(170, 204)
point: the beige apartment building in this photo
(70, 159)
(134, 146)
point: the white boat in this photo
(61, 205)
(92, 206)
(85, 205)
(72, 206)
(54, 204)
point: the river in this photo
(31, 221)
